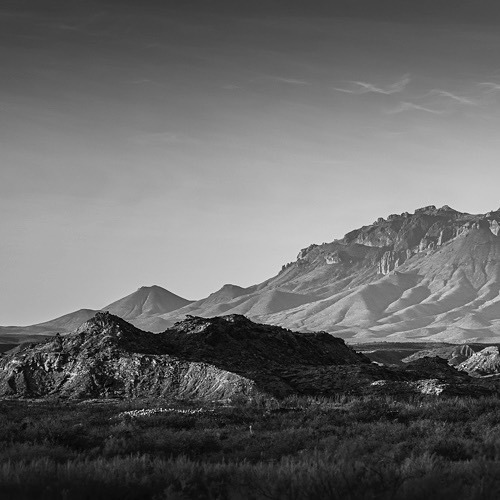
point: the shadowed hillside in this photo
(214, 358)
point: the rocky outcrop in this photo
(390, 260)
(433, 376)
(454, 354)
(217, 358)
(199, 358)
(484, 362)
(108, 357)
(494, 226)
(402, 236)
(303, 253)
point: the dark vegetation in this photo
(300, 447)
(5, 347)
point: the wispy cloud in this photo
(282, 79)
(410, 106)
(492, 87)
(451, 95)
(360, 87)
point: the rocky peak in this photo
(105, 323)
(392, 241)
(447, 208)
(430, 209)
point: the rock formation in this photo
(204, 358)
(454, 354)
(217, 358)
(484, 362)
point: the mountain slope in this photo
(429, 276)
(448, 294)
(62, 324)
(433, 275)
(142, 308)
(146, 301)
(254, 305)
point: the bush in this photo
(301, 447)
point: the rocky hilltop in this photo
(208, 358)
(216, 358)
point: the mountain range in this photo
(433, 275)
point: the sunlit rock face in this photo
(433, 274)
(484, 362)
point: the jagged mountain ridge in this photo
(433, 275)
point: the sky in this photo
(192, 144)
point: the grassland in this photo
(299, 448)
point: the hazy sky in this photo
(167, 143)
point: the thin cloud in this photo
(410, 106)
(450, 95)
(290, 81)
(493, 87)
(282, 79)
(366, 87)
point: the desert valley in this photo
(250, 250)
